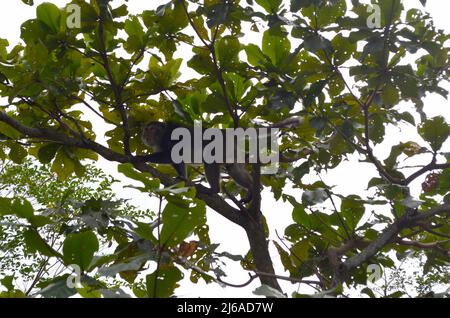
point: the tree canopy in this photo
(87, 77)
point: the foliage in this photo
(319, 60)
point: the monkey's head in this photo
(153, 133)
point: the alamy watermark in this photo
(74, 279)
(232, 145)
(374, 273)
(73, 20)
(374, 19)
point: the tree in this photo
(349, 78)
(42, 212)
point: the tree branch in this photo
(430, 167)
(410, 218)
(115, 87)
(420, 244)
(231, 110)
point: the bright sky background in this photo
(351, 177)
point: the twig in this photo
(116, 89)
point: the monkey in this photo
(158, 136)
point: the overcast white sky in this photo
(351, 177)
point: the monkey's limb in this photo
(243, 178)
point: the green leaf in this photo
(47, 152)
(368, 292)
(17, 153)
(300, 252)
(199, 24)
(271, 6)
(49, 14)
(373, 47)
(170, 20)
(228, 49)
(323, 13)
(405, 79)
(390, 10)
(120, 11)
(85, 154)
(276, 46)
(218, 13)
(300, 216)
(390, 95)
(28, 2)
(314, 92)
(22, 208)
(134, 28)
(298, 4)
(255, 56)
(180, 221)
(149, 182)
(214, 104)
(3, 49)
(238, 86)
(8, 131)
(285, 258)
(343, 49)
(79, 248)
(172, 67)
(63, 165)
(201, 63)
(7, 281)
(352, 210)
(164, 75)
(397, 294)
(35, 243)
(409, 148)
(38, 221)
(144, 230)
(162, 283)
(435, 131)
(5, 206)
(316, 43)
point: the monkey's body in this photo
(158, 136)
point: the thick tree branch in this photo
(259, 247)
(420, 244)
(409, 219)
(430, 167)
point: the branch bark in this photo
(260, 251)
(410, 218)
